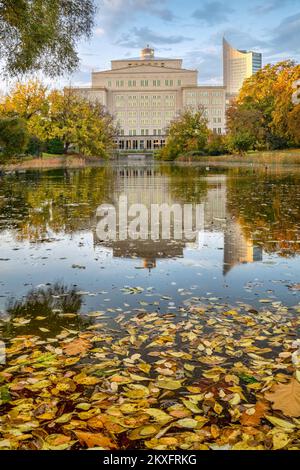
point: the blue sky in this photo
(192, 30)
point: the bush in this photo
(35, 147)
(14, 136)
(216, 145)
(240, 143)
(55, 147)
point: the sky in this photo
(191, 30)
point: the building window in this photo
(219, 130)
(144, 83)
(109, 83)
(179, 83)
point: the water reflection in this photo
(48, 308)
(251, 233)
(173, 185)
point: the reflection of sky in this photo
(198, 274)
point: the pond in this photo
(60, 281)
(247, 250)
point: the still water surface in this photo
(51, 260)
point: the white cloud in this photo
(99, 32)
(116, 13)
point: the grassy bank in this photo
(48, 161)
(282, 157)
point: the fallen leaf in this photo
(286, 398)
(95, 440)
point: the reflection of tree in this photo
(51, 304)
(41, 203)
(186, 184)
(267, 205)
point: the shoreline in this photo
(260, 159)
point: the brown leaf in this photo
(76, 347)
(286, 398)
(95, 440)
(255, 418)
(95, 422)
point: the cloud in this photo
(115, 13)
(99, 31)
(138, 37)
(213, 13)
(270, 6)
(286, 37)
(208, 61)
(239, 39)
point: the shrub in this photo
(14, 136)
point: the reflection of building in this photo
(238, 65)
(146, 184)
(146, 93)
(237, 248)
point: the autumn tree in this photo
(29, 102)
(42, 34)
(267, 95)
(186, 134)
(60, 117)
(79, 123)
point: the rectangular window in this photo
(179, 82)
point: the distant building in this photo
(145, 94)
(238, 65)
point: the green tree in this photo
(186, 134)
(241, 117)
(216, 144)
(42, 34)
(13, 136)
(240, 142)
(294, 124)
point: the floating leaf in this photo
(95, 440)
(286, 398)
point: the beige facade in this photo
(147, 93)
(238, 65)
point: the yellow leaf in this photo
(218, 408)
(169, 384)
(187, 423)
(280, 440)
(159, 415)
(280, 422)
